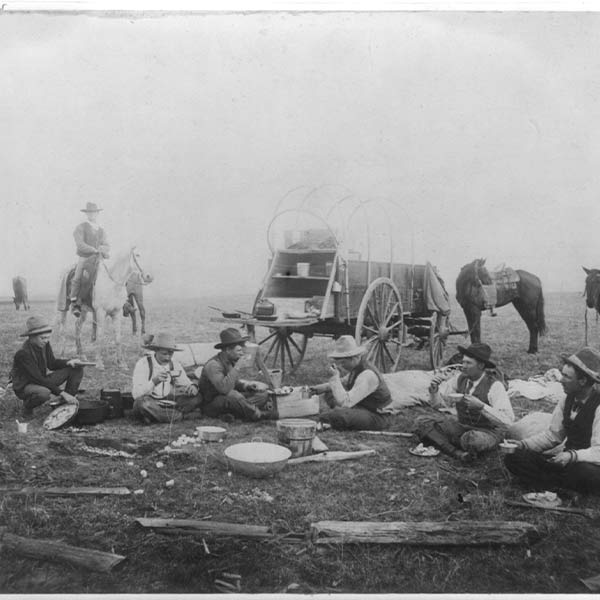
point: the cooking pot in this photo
(208, 433)
(91, 412)
(257, 459)
(127, 399)
(114, 401)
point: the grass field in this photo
(389, 486)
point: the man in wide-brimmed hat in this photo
(567, 454)
(483, 407)
(162, 391)
(224, 393)
(90, 242)
(37, 374)
(358, 396)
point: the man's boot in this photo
(438, 439)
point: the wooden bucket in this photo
(297, 435)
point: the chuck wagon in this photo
(318, 284)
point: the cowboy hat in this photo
(91, 207)
(231, 337)
(480, 352)
(346, 347)
(587, 360)
(35, 326)
(162, 341)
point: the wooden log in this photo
(584, 512)
(330, 456)
(388, 433)
(39, 549)
(424, 533)
(70, 491)
(206, 528)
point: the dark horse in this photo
(592, 292)
(527, 298)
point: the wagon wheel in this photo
(438, 335)
(380, 324)
(283, 349)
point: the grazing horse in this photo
(527, 298)
(591, 293)
(107, 301)
(135, 296)
(19, 285)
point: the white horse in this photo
(107, 301)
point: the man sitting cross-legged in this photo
(224, 393)
(158, 377)
(37, 374)
(483, 410)
(359, 397)
(576, 424)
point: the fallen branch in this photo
(592, 583)
(388, 433)
(70, 491)
(330, 456)
(424, 533)
(584, 512)
(206, 528)
(94, 560)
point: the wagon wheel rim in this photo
(284, 349)
(437, 342)
(380, 324)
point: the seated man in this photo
(483, 412)
(576, 423)
(224, 394)
(158, 377)
(37, 375)
(360, 397)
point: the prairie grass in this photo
(392, 485)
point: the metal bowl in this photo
(257, 459)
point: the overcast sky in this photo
(189, 129)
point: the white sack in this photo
(529, 425)
(408, 388)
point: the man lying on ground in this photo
(359, 397)
(224, 393)
(483, 411)
(37, 374)
(576, 423)
(157, 378)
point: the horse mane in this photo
(468, 276)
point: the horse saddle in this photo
(503, 287)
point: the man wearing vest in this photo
(359, 398)
(90, 242)
(574, 433)
(224, 393)
(483, 410)
(162, 392)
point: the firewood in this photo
(424, 533)
(205, 528)
(331, 455)
(388, 433)
(67, 491)
(584, 512)
(39, 549)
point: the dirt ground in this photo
(391, 485)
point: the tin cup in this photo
(22, 427)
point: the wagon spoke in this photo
(373, 331)
(267, 338)
(396, 342)
(396, 324)
(391, 314)
(289, 353)
(373, 317)
(388, 353)
(292, 341)
(273, 343)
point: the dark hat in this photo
(162, 341)
(346, 347)
(91, 207)
(231, 337)
(586, 360)
(35, 326)
(480, 352)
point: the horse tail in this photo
(540, 319)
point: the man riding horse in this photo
(91, 242)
